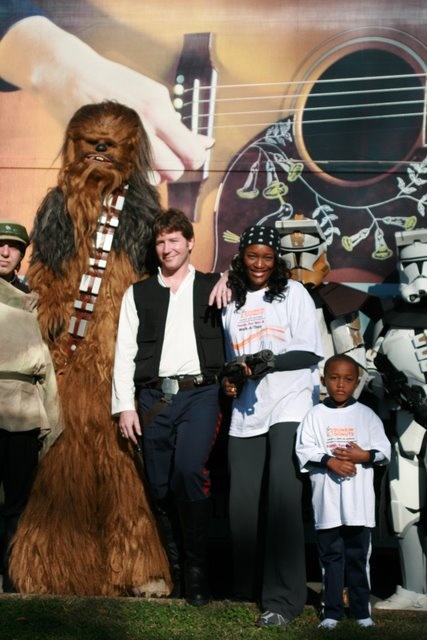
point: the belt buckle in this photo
(170, 387)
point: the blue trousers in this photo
(344, 554)
(177, 443)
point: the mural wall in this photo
(316, 107)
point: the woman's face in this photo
(259, 262)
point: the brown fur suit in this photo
(87, 528)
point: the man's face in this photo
(173, 251)
(10, 257)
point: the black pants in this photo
(266, 520)
(19, 454)
(344, 554)
(178, 442)
(18, 463)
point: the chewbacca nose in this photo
(101, 147)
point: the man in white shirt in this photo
(169, 354)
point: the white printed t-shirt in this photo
(336, 500)
(288, 324)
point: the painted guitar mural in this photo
(308, 116)
(349, 149)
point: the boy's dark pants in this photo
(344, 554)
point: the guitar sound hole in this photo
(368, 123)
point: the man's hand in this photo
(220, 294)
(129, 425)
(65, 73)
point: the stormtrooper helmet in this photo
(303, 248)
(412, 265)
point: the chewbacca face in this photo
(104, 143)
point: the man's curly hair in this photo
(239, 284)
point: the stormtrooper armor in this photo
(402, 369)
(412, 247)
(304, 249)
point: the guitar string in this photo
(402, 76)
(301, 95)
(306, 110)
(328, 107)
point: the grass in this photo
(55, 618)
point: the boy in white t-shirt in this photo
(338, 443)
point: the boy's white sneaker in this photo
(328, 623)
(404, 600)
(366, 622)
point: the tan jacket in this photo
(31, 402)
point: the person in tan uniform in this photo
(29, 409)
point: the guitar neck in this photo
(194, 99)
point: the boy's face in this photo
(341, 381)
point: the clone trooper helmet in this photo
(412, 264)
(303, 248)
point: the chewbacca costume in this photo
(88, 528)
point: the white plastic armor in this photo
(412, 247)
(347, 338)
(304, 250)
(406, 349)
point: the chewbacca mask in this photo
(88, 528)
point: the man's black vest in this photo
(152, 301)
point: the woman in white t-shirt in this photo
(268, 311)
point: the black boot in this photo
(10, 527)
(170, 533)
(195, 518)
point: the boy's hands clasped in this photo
(345, 459)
